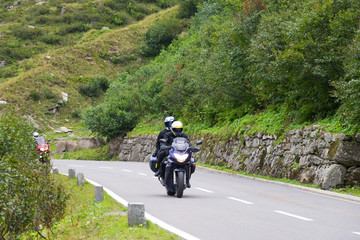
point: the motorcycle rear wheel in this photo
(180, 186)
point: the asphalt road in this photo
(222, 206)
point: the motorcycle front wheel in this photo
(180, 186)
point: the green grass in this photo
(99, 154)
(86, 219)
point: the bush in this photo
(26, 32)
(96, 87)
(34, 95)
(109, 119)
(160, 36)
(51, 39)
(30, 197)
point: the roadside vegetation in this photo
(31, 199)
(270, 65)
(86, 219)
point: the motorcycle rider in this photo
(161, 154)
(176, 131)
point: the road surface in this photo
(222, 206)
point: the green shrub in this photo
(109, 119)
(26, 32)
(160, 36)
(96, 87)
(51, 39)
(30, 197)
(34, 95)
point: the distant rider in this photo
(161, 154)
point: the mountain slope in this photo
(97, 53)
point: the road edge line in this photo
(149, 217)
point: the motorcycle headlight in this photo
(42, 149)
(181, 157)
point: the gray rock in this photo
(80, 179)
(114, 145)
(65, 96)
(99, 193)
(55, 170)
(72, 173)
(334, 177)
(63, 10)
(347, 153)
(353, 177)
(3, 63)
(136, 214)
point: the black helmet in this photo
(168, 121)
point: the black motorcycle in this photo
(180, 164)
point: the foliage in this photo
(29, 29)
(96, 87)
(102, 220)
(30, 196)
(239, 59)
(160, 36)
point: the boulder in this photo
(114, 145)
(83, 143)
(353, 176)
(330, 177)
(346, 153)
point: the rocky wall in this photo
(309, 155)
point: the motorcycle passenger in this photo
(176, 131)
(159, 154)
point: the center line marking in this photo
(240, 200)
(293, 215)
(204, 190)
(107, 167)
(357, 233)
(142, 174)
(125, 170)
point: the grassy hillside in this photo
(247, 66)
(40, 79)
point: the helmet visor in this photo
(168, 124)
(177, 130)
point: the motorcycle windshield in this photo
(40, 141)
(180, 144)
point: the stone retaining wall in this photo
(309, 155)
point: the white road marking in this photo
(125, 170)
(142, 174)
(357, 233)
(151, 218)
(294, 216)
(77, 165)
(107, 167)
(240, 200)
(204, 190)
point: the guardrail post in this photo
(71, 173)
(99, 193)
(136, 214)
(80, 179)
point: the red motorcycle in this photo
(43, 149)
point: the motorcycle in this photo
(43, 149)
(180, 164)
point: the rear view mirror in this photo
(164, 147)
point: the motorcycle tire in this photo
(180, 186)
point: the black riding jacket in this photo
(160, 136)
(169, 137)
